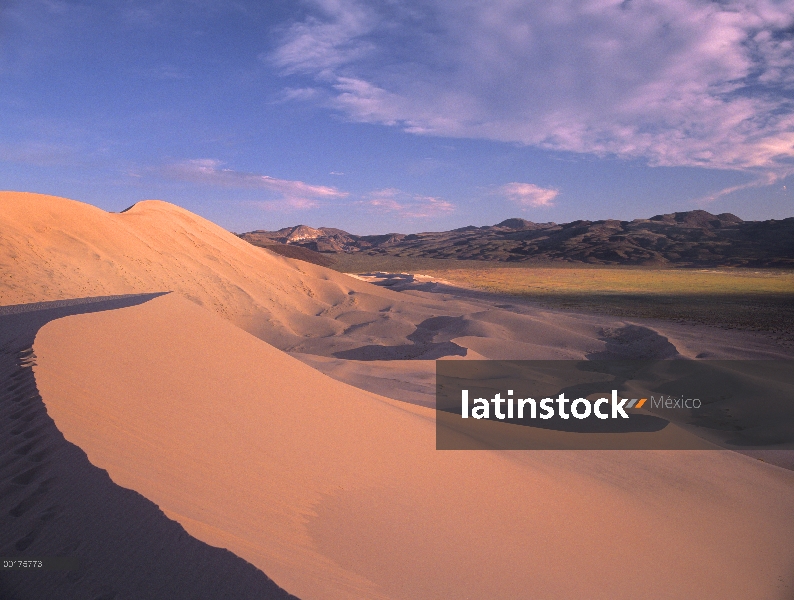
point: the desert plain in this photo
(194, 416)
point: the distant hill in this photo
(692, 238)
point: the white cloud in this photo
(299, 94)
(405, 205)
(528, 195)
(676, 82)
(327, 41)
(293, 194)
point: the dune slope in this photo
(335, 492)
(53, 249)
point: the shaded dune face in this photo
(335, 492)
(54, 502)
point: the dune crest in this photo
(335, 492)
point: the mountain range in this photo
(692, 238)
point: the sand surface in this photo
(335, 492)
(280, 410)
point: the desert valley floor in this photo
(177, 401)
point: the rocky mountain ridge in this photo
(692, 238)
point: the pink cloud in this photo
(676, 82)
(528, 195)
(294, 194)
(409, 206)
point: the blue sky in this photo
(401, 115)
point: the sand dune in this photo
(54, 502)
(335, 492)
(54, 248)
